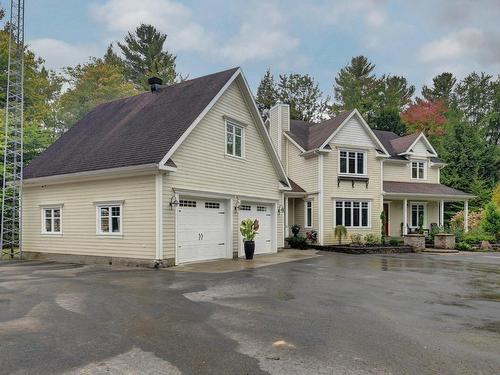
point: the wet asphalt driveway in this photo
(333, 314)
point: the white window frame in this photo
(352, 201)
(306, 203)
(44, 228)
(424, 162)
(99, 231)
(365, 162)
(411, 205)
(242, 128)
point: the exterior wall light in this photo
(174, 202)
(281, 209)
(237, 204)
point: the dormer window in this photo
(418, 170)
(352, 162)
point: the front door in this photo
(386, 219)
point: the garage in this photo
(201, 229)
(262, 212)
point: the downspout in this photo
(320, 198)
(159, 220)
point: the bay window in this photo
(352, 214)
(352, 162)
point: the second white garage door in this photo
(262, 212)
(201, 230)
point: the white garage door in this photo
(201, 230)
(262, 212)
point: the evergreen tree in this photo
(303, 95)
(357, 87)
(474, 97)
(441, 89)
(267, 94)
(472, 164)
(389, 120)
(144, 57)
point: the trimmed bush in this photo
(371, 239)
(463, 246)
(395, 242)
(477, 235)
(491, 220)
(356, 238)
(297, 242)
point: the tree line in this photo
(461, 118)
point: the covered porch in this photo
(409, 206)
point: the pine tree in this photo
(357, 87)
(441, 89)
(144, 57)
(267, 95)
(303, 95)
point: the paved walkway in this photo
(232, 265)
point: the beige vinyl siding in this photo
(396, 215)
(402, 172)
(79, 218)
(302, 170)
(346, 192)
(420, 149)
(353, 134)
(203, 166)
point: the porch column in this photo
(466, 216)
(286, 217)
(441, 213)
(405, 217)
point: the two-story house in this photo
(344, 173)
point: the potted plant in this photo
(295, 229)
(311, 237)
(248, 229)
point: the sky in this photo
(416, 38)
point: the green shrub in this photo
(395, 242)
(463, 246)
(477, 235)
(297, 242)
(371, 239)
(356, 238)
(491, 220)
(340, 231)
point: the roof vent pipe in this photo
(155, 83)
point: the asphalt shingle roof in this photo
(397, 187)
(132, 131)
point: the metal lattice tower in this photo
(11, 221)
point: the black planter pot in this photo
(249, 249)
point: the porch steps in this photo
(440, 251)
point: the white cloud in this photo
(376, 18)
(260, 37)
(173, 18)
(58, 54)
(468, 43)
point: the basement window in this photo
(109, 219)
(52, 220)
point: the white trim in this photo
(365, 162)
(305, 213)
(159, 215)
(256, 114)
(167, 168)
(363, 122)
(405, 217)
(286, 219)
(417, 203)
(176, 221)
(293, 142)
(466, 216)
(457, 198)
(425, 162)
(52, 207)
(351, 200)
(95, 175)
(441, 213)
(109, 204)
(242, 137)
(320, 198)
(200, 117)
(421, 135)
(220, 195)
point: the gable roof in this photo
(132, 131)
(402, 144)
(312, 136)
(142, 130)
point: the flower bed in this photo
(360, 249)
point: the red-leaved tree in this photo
(425, 116)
